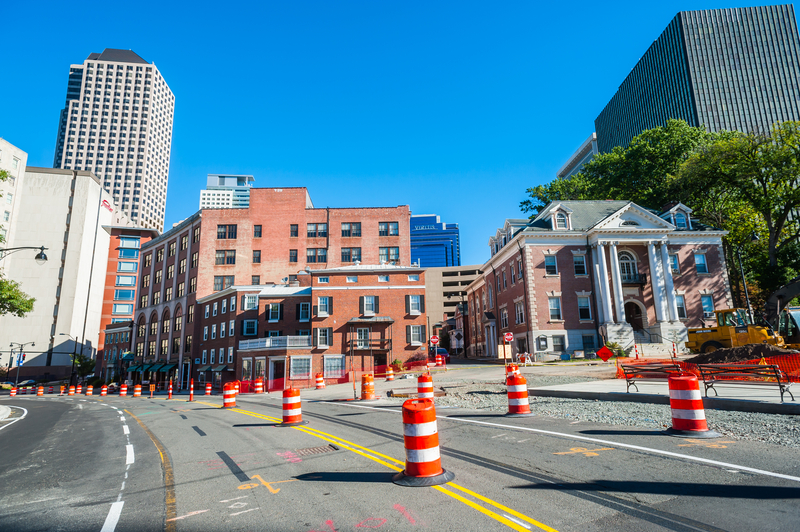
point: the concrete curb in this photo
(4, 412)
(713, 403)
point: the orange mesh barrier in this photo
(788, 364)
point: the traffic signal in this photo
(23, 357)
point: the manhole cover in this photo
(315, 450)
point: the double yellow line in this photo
(397, 465)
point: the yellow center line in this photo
(373, 455)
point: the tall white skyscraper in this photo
(226, 192)
(117, 123)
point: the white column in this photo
(605, 293)
(598, 281)
(672, 302)
(656, 281)
(616, 281)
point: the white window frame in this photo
(369, 301)
(416, 331)
(706, 313)
(214, 331)
(230, 355)
(232, 328)
(250, 302)
(519, 310)
(362, 342)
(588, 307)
(233, 303)
(680, 302)
(328, 340)
(214, 313)
(674, 264)
(247, 328)
(323, 280)
(337, 373)
(414, 305)
(555, 264)
(224, 306)
(274, 309)
(383, 279)
(222, 330)
(551, 307)
(293, 371)
(582, 259)
(321, 312)
(213, 355)
(273, 334)
(205, 356)
(205, 333)
(351, 279)
(503, 318)
(208, 309)
(305, 310)
(702, 262)
(414, 277)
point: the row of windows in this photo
(313, 230)
(205, 358)
(627, 265)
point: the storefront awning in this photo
(135, 368)
(127, 356)
(166, 367)
(220, 368)
(372, 319)
(154, 367)
(204, 368)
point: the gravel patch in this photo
(770, 428)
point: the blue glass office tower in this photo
(434, 244)
(726, 69)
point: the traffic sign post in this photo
(435, 340)
(507, 337)
(152, 389)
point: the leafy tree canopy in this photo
(12, 300)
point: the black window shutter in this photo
(408, 304)
(297, 311)
(280, 306)
(330, 305)
(314, 337)
(360, 305)
(330, 336)
(422, 303)
(316, 310)
(242, 322)
(377, 304)
(424, 334)
(408, 332)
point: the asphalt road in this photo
(231, 470)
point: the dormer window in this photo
(561, 221)
(680, 221)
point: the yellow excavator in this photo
(734, 326)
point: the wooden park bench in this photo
(747, 374)
(653, 370)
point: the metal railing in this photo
(634, 278)
(276, 342)
(373, 343)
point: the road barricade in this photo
(40, 391)
(367, 387)
(13, 392)
(103, 390)
(79, 389)
(169, 393)
(229, 395)
(208, 388)
(425, 386)
(389, 374)
(71, 390)
(123, 390)
(89, 390)
(191, 390)
(259, 385)
(686, 404)
(439, 360)
(518, 405)
(137, 390)
(50, 390)
(421, 441)
(292, 414)
(320, 381)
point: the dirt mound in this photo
(741, 353)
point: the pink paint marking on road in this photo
(379, 522)
(405, 514)
(330, 526)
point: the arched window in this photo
(627, 266)
(154, 324)
(178, 319)
(142, 327)
(561, 221)
(165, 322)
(680, 220)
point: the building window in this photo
(519, 309)
(274, 314)
(324, 337)
(164, 347)
(193, 285)
(579, 262)
(233, 303)
(148, 260)
(324, 305)
(584, 309)
(322, 280)
(333, 366)
(215, 308)
(383, 278)
(351, 229)
(250, 327)
(559, 344)
(187, 345)
(190, 314)
(214, 331)
(172, 247)
(519, 266)
(370, 305)
(170, 271)
(182, 267)
(414, 305)
(388, 229)
(700, 263)
(351, 278)
(154, 326)
(160, 255)
(554, 303)
(224, 308)
(299, 367)
(127, 266)
(292, 255)
(208, 309)
(362, 338)
(205, 333)
(143, 301)
(124, 295)
(126, 280)
(414, 277)
(178, 323)
(415, 334)
(158, 276)
(122, 309)
(194, 259)
(503, 318)
(681, 307)
(256, 256)
(168, 294)
(511, 271)
(317, 230)
(389, 254)
(223, 257)
(230, 355)
(550, 266)
(674, 265)
(708, 306)
(184, 242)
(250, 302)
(176, 345)
(680, 220)
(256, 231)
(231, 327)
(156, 297)
(351, 254)
(588, 341)
(213, 356)
(293, 230)
(255, 280)
(221, 282)
(205, 357)
(305, 312)
(627, 266)
(317, 255)
(226, 232)
(128, 254)
(561, 221)
(196, 238)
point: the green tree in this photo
(83, 365)
(12, 300)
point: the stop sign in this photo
(434, 339)
(508, 337)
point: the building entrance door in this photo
(277, 374)
(633, 315)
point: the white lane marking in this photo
(123, 486)
(80, 406)
(520, 523)
(122, 418)
(113, 517)
(187, 515)
(125, 429)
(244, 512)
(724, 465)
(16, 418)
(129, 459)
(236, 499)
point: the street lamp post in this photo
(20, 347)
(72, 377)
(40, 257)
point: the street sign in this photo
(605, 353)
(434, 339)
(508, 337)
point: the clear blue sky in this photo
(453, 108)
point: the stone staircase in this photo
(653, 350)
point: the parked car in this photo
(440, 351)
(27, 383)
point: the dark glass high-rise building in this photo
(726, 69)
(434, 244)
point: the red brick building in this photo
(585, 272)
(340, 322)
(280, 234)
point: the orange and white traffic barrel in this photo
(71, 390)
(421, 441)
(439, 360)
(79, 390)
(367, 387)
(89, 390)
(259, 386)
(425, 386)
(512, 369)
(518, 405)
(292, 414)
(389, 373)
(236, 386)
(40, 391)
(688, 412)
(123, 390)
(13, 392)
(50, 390)
(229, 395)
(320, 378)
(169, 393)
(103, 390)
(208, 388)
(21, 390)
(137, 390)
(191, 390)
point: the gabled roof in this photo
(584, 215)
